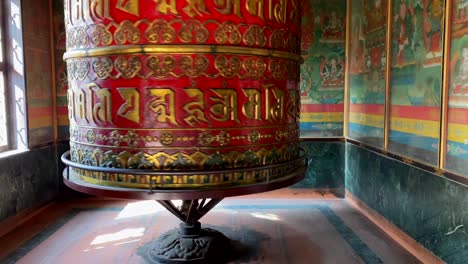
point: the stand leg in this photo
(189, 243)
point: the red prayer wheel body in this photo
(190, 85)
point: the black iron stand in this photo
(189, 243)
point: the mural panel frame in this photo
(454, 154)
(323, 70)
(367, 72)
(416, 79)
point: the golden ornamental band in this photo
(177, 31)
(159, 67)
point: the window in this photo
(4, 141)
(13, 129)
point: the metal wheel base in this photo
(189, 243)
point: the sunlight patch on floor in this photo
(271, 217)
(139, 209)
(121, 235)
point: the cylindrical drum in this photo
(186, 85)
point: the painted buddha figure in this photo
(334, 27)
(461, 79)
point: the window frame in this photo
(14, 78)
(4, 70)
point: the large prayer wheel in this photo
(189, 85)
(191, 100)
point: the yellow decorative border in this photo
(322, 117)
(179, 49)
(367, 119)
(456, 133)
(425, 128)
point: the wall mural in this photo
(61, 80)
(323, 70)
(457, 134)
(37, 54)
(417, 52)
(368, 71)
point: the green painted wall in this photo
(28, 179)
(326, 166)
(429, 208)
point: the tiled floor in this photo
(277, 227)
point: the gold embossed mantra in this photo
(186, 85)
